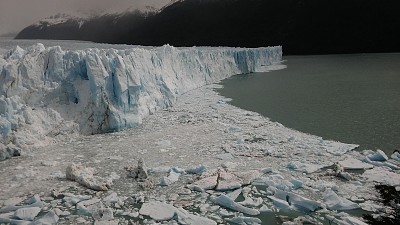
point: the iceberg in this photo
(51, 93)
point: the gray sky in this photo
(17, 14)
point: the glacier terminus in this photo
(48, 93)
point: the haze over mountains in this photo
(300, 26)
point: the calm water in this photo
(348, 98)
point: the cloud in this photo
(17, 14)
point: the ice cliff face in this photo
(47, 93)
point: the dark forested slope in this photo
(300, 26)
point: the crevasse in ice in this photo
(47, 93)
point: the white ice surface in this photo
(46, 93)
(355, 164)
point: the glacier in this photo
(49, 93)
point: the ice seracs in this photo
(51, 93)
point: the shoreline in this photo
(200, 128)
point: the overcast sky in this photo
(17, 14)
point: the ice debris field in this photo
(190, 157)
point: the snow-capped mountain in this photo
(301, 26)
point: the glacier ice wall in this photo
(47, 93)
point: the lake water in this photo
(348, 98)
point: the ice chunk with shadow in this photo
(383, 176)
(335, 202)
(355, 164)
(244, 220)
(32, 202)
(304, 167)
(49, 218)
(171, 178)
(382, 164)
(196, 170)
(227, 202)
(158, 211)
(298, 202)
(337, 148)
(27, 213)
(185, 218)
(379, 155)
(395, 156)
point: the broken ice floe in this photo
(337, 148)
(304, 167)
(224, 180)
(227, 202)
(355, 164)
(335, 202)
(383, 176)
(27, 214)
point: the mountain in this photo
(106, 27)
(300, 26)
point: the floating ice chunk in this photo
(276, 181)
(348, 220)
(112, 198)
(382, 164)
(224, 156)
(184, 217)
(13, 201)
(227, 202)
(206, 183)
(395, 156)
(304, 167)
(228, 181)
(265, 209)
(49, 218)
(335, 202)
(172, 178)
(337, 148)
(158, 211)
(279, 203)
(244, 220)
(296, 183)
(345, 175)
(234, 194)
(27, 213)
(32, 202)
(371, 206)
(355, 164)
(178, 170)
(379, 155)
(267, 170)
(196, 170)
(71, 200)
(299, 202)
(251, 202)
(383, 176)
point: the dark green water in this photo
(348, 98)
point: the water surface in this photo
(349, 98)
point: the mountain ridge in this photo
(300, 26)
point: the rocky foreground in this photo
(202, 161)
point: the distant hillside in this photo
(300, 26)
(106, 28)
